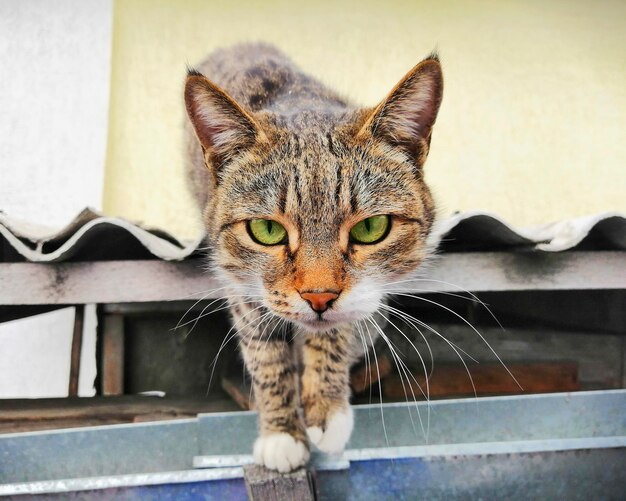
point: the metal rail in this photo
(550, 446)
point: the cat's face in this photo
(316, 224)
(318, 196)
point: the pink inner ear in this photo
(413, 112)
(220, 127)
(220, 124)
(210, 129)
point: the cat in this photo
(311, 205)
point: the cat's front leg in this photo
(327, 358)
(282, 444)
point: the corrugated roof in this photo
(94, 237)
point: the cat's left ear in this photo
(406, 117)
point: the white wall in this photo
(35, 355)
(54, 95)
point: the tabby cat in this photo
(311, 206)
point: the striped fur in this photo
(267, 141)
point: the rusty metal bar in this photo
(113, 355)
(77, 344)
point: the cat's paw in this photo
(280, 451)
(335, 435)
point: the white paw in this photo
(334, 438)
(280, 451)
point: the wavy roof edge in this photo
(91, 236)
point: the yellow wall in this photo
(533, 119)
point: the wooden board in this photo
(267, 485)
(491, 379)
(54, 413)
(140, 281)
(239, 390)
(77, 344)
(365, 375)
(112, 356)
(598, 356)
(103, 282)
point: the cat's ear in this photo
(406, 117)
(222, 126)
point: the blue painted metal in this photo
(569, 475)
(562, 446)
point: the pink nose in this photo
(319, 301)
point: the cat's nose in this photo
(319, 301)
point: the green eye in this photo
(266, 231)
(370, 230)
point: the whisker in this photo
(212, 291)
(452, 345)
(203, 314)
(402, 369)
(269, 335)
(472, 295)
(410, 319)
(265, 316)
(227, 339)
(432, 291)
(392, 311)
(238, 331)
(478, 333)
(395, 349)
(368, 366)
(380, 391)
(208, 293)
(426, 395)
(427, 376)
(178, 325)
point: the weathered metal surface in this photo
(490, 419)
(562, 475)
(560, 446)
(183, 489)
(126, 483)
(140, 281)
(27, 415)
(91, 237)
(98, 451)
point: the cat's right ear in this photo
(222, 126)
(406, 117)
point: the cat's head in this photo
(315, 216)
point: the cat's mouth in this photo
(317, 323)
(327, 320)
